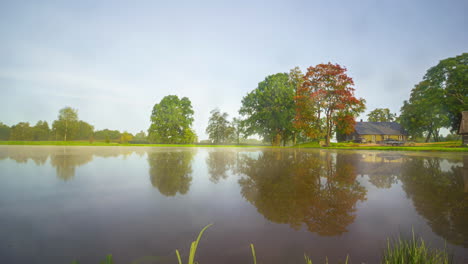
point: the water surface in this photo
(58, 204)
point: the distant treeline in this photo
(67, 127)
(284, 108)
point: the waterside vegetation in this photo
(398, 251)
(450, 146)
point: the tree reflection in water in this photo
(170, 171)
(219, 162)
(439, 196)
(65, 160)
(318, 189)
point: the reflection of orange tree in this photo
(170, 172)
(312, 188)
(438, 195)
(219, 162)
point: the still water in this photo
(58, 204)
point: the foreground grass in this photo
(439, 146)
(413, 251)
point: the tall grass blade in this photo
(193, 248)
(178, 256)
(253, 253)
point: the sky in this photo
(113, 60)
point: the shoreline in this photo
(305, 146)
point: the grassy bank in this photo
(439, 146)
(87, 143)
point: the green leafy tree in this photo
(219, 129)
(41, 131)
(451, 76)
(107, 134)
(296, 79)
(438, 100)
(424, 113)
(171, 121)
(85, 131)
(238, 129)
(125, 137)
(268, 110)
(381, 115)
(4, 131)
(66, 125)
(140, 136)
(22, 131)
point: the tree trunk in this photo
(327, 137)
(428, 136)
(66, 131)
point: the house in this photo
(463, 128)
(374, 132)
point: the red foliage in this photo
(326, 100)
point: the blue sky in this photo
(113, 60)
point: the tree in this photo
(218, 129)
(125, 137)
(238, 129)
(438, 100)
(424, 113)
(269, 109)
(451, 76)
(4, 131)
(140, 136)
(325, 102)
(21, 131)
(67, 124)
(41, 131)
(296, 79)
(171, 121)
(84, 131)
(381, 115)
(107, 134)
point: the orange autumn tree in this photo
(325, 102)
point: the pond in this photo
(58, 204)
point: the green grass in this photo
(86, 143)
(439, 146)
(193, 248)
(414, 251)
